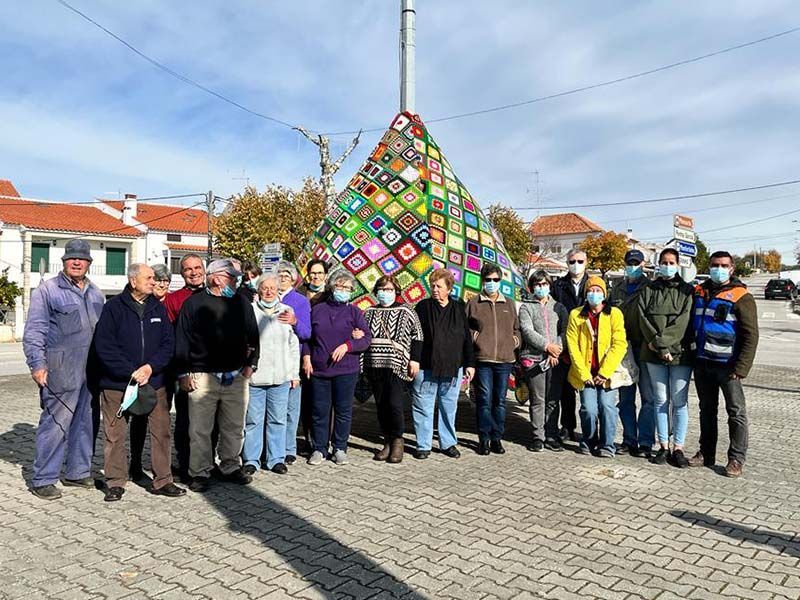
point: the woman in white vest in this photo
(278, 371)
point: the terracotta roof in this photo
(60, 216)
(542, 262)
(187, 247)
(165, 217)
(564, 223)
(7, 188)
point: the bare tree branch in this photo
(338, 164)
(307, 135)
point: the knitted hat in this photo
(598, 281)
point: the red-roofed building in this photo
(555, 235)
(7, 189)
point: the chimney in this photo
(129, 209)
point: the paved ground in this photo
(521, 525)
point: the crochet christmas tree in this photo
(406, 213)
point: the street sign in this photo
(270, 255)
(683, 222)
(686, 248)
(685, 235)
(685, 261)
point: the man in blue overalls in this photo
(58, 333)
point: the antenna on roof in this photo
(408, 46)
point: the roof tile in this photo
(59, 216)
(562, 224)
(165, 217)
(7, 188)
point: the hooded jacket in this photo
(610, 340)
(665, 314)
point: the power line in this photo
(89, 202)
(784, 214)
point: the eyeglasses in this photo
(492, 279)
(387, 289)
(344, 288)
(164, 282)
(575, 260)
(317, 274)
(284, 276)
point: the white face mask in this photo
(577, 268)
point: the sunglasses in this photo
(573, 261)
(492, 279)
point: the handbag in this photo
(627, 373)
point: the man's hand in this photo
(142, 374)
(413, 368)
(736, 377)
(247, 372)
(339, 352)
(469, 374)
(40, 377)
(307, 368)
(293, 384)
(357, 334)
(187, 383)
(553, 350)
(287, 317)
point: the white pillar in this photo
(26, 271)
(408, 45)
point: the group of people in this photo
(248, 359)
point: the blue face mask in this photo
(668, 271)
(239, 281)
(227, 292)
(252, 285)
(633, 271)
(719, 274)
(491, 287)
(595, 298)
(341, 296)
(265, 304)
(541, 291)
(386, 297)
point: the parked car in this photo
(700, 279)
(780, 288)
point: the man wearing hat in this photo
(134, 341)
(216, 350)
(58, 333)
(637, 435)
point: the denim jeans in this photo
(293, 420)
(491, 386)
(598, 403)
(641, 431)
(429, 392)
(669, 387)
(336, 392)
(266, 402)
(709, 379)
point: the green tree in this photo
(743, 265)
(702, 260)
(605, 251)
(277, 214)
(512, 230)
(9, 291)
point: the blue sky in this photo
(84, 117)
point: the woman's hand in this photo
(357, 334)
(553, 360)
(469, 373)
(667, 357)
(589, 383)
(288, 317)
(339, 352)
(413, 368)
(294, 383)
(307, 368)
(553, 350)
(600, 381)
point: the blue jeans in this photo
(635, 432)
(429, 392)
(336, 391)
(669, 385)
(602, 403)
(491, 386)
(293, 420)
(266, 402)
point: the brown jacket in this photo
(495, 328)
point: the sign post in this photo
(270, 255)
(685, 240)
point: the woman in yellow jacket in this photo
(596, 343)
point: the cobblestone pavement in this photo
(518, 526)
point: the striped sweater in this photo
(396, 339)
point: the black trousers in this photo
(390, 394)
(709, 379)
(568, 418)
(306, 411)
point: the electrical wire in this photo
(89, 202)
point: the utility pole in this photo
(408, 46)
(210, 209)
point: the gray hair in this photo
(162, 272)
(338, 276)
(285, 265)
(185, 257)
(134, 269)
(268, 275)
(573, 251)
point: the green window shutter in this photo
(40, 251)
(115, 261)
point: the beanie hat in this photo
(598, 281)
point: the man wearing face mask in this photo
(493, 320)
(637, 436)
(725, 327)
(570, 291)
(216, 351)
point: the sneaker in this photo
(536, 446)
(605, 453)
(734, 468)
(170, 491)
(46, 492)
(661, 457)
(624, 449)
(452, 452)
(554, 445)
(316, 458)
(238, 477)
(340, 457)
(679, 459)
(86, 483)
(290, 459)
(199, 484)
(496, 446)
(249, 470)
(584, 449)
(698, 460)
(113, 494)
(280, 469)
(422, 454)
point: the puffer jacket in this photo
(665, 315)
(611, 344)
(541, 324)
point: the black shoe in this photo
(422, 454)
(679, 459)
(249, 469)
(135, 472)
(199, 484)
(635, 451)
(280, 469)
(626, 449)
(554, 445)
(290, 459)
(661, 457)
(496, 447)
(216, 473)
(170, 491)
(114, 494)
(483, 448)
(452, 452)
(238, 477)
(46, 492)
(536, 446)
(86, 483)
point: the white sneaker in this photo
(316, 458)
(340, 457)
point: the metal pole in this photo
(210, 209)
(408, 44)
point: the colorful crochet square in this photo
(405, 213)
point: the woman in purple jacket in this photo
(331, 361)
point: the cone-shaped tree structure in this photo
(406, 213)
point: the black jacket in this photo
(563, 291)
(124, 341)
(446, 338)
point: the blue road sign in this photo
(686, 248)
